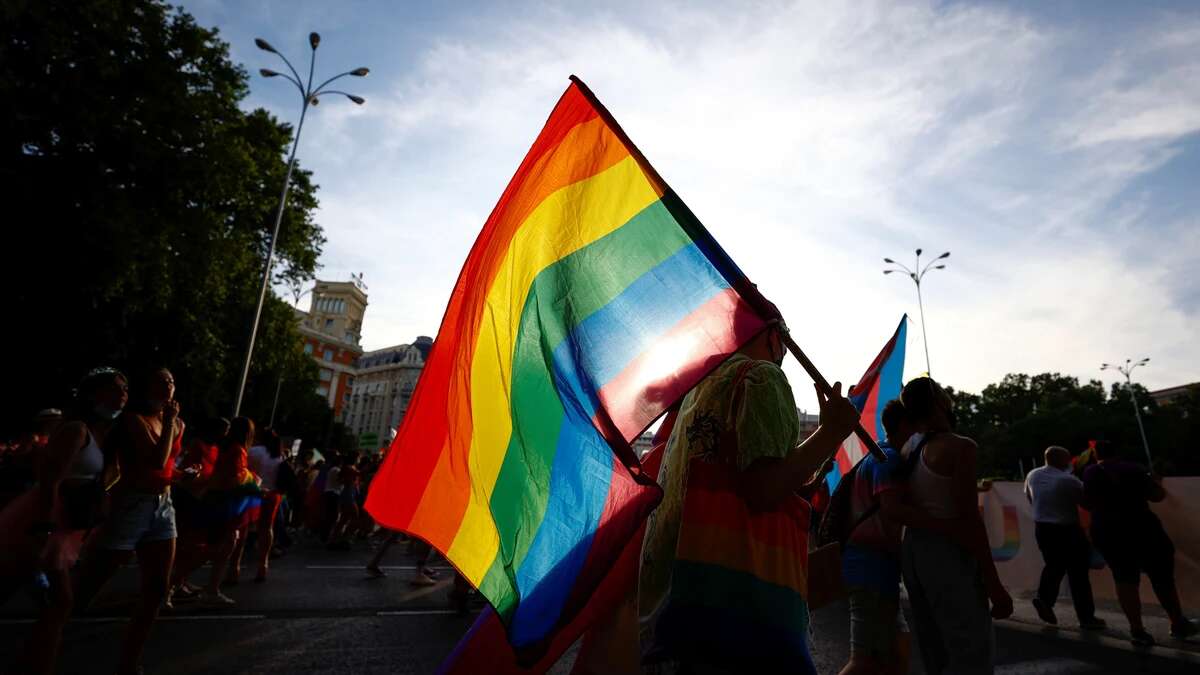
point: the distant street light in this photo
(309, 96)
(1125, 370)
(916, 278)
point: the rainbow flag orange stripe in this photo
(591, 301)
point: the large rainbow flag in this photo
(881, 383)
(591, 301)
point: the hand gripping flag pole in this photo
(823, 384)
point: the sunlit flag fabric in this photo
(881, 383)
(591, 301)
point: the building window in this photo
(323, 390)
(328, 356)
(328, 323)
(308, 348)
(326, 374)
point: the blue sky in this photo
(1052, 147)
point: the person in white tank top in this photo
(931, 491)
(950, 579)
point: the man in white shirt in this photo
(1055, 494)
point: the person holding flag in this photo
(746, 400)
(592, 301)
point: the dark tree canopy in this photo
(1014, 420)
(139, 200)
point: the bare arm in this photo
(768, 481)
(162, 451)
(974, 534)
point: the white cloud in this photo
(813, 140)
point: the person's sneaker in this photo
(1094, 623)
(423, 578)
(1184, 630)
(1045, 612)
(1140, 638)
(374, 572)
(185, 592)
(217, 599)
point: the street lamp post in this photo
(296, 294)
(309, 96)
(1125, 370)
(916, 278)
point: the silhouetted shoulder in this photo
(963, 442)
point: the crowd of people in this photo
(908, 520)
(118, 472)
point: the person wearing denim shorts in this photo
(145, 441)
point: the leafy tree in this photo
(139, 200)
(1014, 420)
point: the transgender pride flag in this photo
(881, 383)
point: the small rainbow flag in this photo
(881, 383)
(592, 300)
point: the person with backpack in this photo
(1132, 539)
(950, 579)
(879, 637)
(867, 513)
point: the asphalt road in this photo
(320, 614)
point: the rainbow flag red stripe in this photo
(881, 383)
(591, 301)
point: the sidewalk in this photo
(1116, 635)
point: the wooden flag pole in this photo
(827, 390)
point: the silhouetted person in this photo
(1132, 539)
(1056, 494)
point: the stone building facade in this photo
(331, 330)
(383, 387)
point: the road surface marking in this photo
(164, 617)
(363, 568)
(416, 612)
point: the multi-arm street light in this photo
(309, 96)
(916, 278)
(1125, 370)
